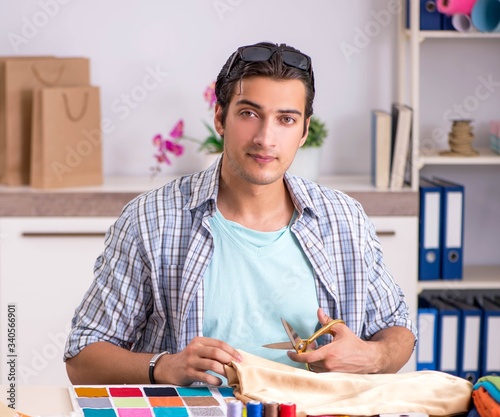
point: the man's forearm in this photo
(394, 347)
(105, 363)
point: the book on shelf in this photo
(401, 149)
(381, 148)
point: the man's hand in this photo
(387, 351)
(105, 363)
(201, 355)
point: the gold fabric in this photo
(430, 392)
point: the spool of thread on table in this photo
(254, 409)
(234, 408)
(287, 410)
(271, 409)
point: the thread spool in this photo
(271, 409)
(234, 408)
(287, 410)
(254, 409)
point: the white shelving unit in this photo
(410, 42)
(409, 66)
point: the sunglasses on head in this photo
(260, 53)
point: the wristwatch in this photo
(152, 364)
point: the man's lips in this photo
(263, 158)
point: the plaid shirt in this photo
(147, 294)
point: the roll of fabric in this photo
(431, 392)
(485, 15)
(451, 7)
(462, 23)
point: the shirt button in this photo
(309, 245)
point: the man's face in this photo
(263, 129)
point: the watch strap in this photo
(152, 364)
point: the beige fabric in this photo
(431, 392)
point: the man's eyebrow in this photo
(245, 102)
(250, 103)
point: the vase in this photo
(306, 163)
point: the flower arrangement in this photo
(166, 147)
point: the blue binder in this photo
(470, 340)
(427, 326)
(430, 18)
(429, 257)
(446, 23)
(452, 229)
(448, 335)
(490, 358)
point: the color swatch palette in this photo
(150, 401)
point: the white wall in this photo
(354, 56)
(188, 41)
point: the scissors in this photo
(296, 342)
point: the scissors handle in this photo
(325, 329)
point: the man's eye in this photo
(247, 113)
(288, 120)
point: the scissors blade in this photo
(279, 345)
(292, 334)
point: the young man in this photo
(210, 262)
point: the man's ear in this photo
(306, 132)
(219, 127)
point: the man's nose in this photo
(266, 134)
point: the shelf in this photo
(109, 198)
(486, 157)
(452, 34)
(475, 277)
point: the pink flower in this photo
(209, 95)
(162, 158)
(178, 130)
(173, 147)
(168, 145)
(157, 140)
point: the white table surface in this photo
(36, 400)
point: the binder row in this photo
(441, 225)
(459, 334)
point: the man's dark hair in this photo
(273, 68)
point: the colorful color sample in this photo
(150, 401)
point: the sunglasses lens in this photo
(296, 60)
(255, 53)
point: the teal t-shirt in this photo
(253, 280)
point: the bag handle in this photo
(82, 111)
(47, 83)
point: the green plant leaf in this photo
(317, 133)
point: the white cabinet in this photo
(398, 237)
(46, 265)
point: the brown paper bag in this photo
(18, 77)
(66, 138)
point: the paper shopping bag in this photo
(66, 138)
(18, 78)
